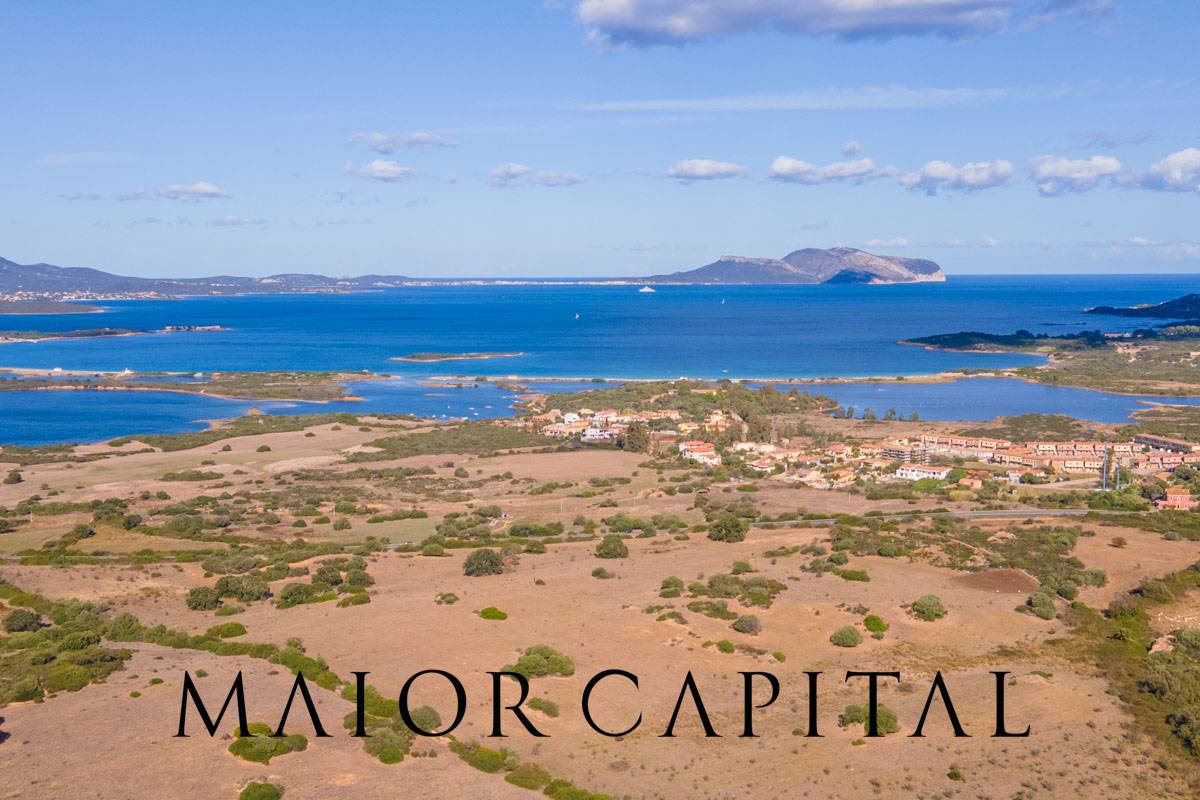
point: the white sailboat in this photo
(646, 290)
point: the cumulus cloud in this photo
(704, 169)
(1178, 172)
(851, 147)
(390, 142)
(973, 176)
(236, 222)
(1056, 176)
(511, 174)
(193, 192)
(618, 23)
(793, 170)
(383, 170)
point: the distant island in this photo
(7, 337)
(432, 357)
(1022, 340)
(34, 307)
(1186, 307)
(812, 265)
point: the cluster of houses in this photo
(608, 425)
(838, 464)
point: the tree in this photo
(637, 438)
(612, 547)
(21, 620)
(483, 562)
(728, 527)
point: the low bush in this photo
(928, 608)
(846, 636)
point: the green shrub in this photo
(356, 599)
(853, 575)
(728, 527)
(260, 747)
(928, 608)
(671, 587)
(874, 623)
(227, 630)
(260, 791)
(748, 624)
(725, 646)
(483, 562)
(540, 660)
(612, 547)
(1042, 605)
(535, 548)
(602, 574)
(846, 636)
(66, 678)
(741, 568)
(203, 598)
(885, 718)
(528, 776)
(21, 620)
(491, 612)
(547, 707)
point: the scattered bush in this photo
(22, 620)
(928, 608)
(203, 598)
(728, 527)
(874, 623)
(491, 612)
(846, 636)
(260, 791)
(540, 661)
(612, 547)
(748, 624)
(483, 562)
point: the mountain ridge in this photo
(808, 266)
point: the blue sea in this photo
(573, 331)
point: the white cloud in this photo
(390, 142)
(192, 192)
(704, 169)
(1161, 251)
(851, 147)
(617, 23)
(385, 170)
(1178, 172)
(201, 190)
(826, 99)
(236, 222)
(793, 170)
(898, 241)
(972, 176)
(1056, 176)
(511, 173)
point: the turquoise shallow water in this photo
(572, 331)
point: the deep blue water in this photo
(986, 398)
(569, 331)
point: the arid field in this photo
(147, 560)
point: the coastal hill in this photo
(1186, 307)
(811, 265)
(47, 280)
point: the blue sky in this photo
(602, 137)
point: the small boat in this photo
(576, 316)
(646, 290)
